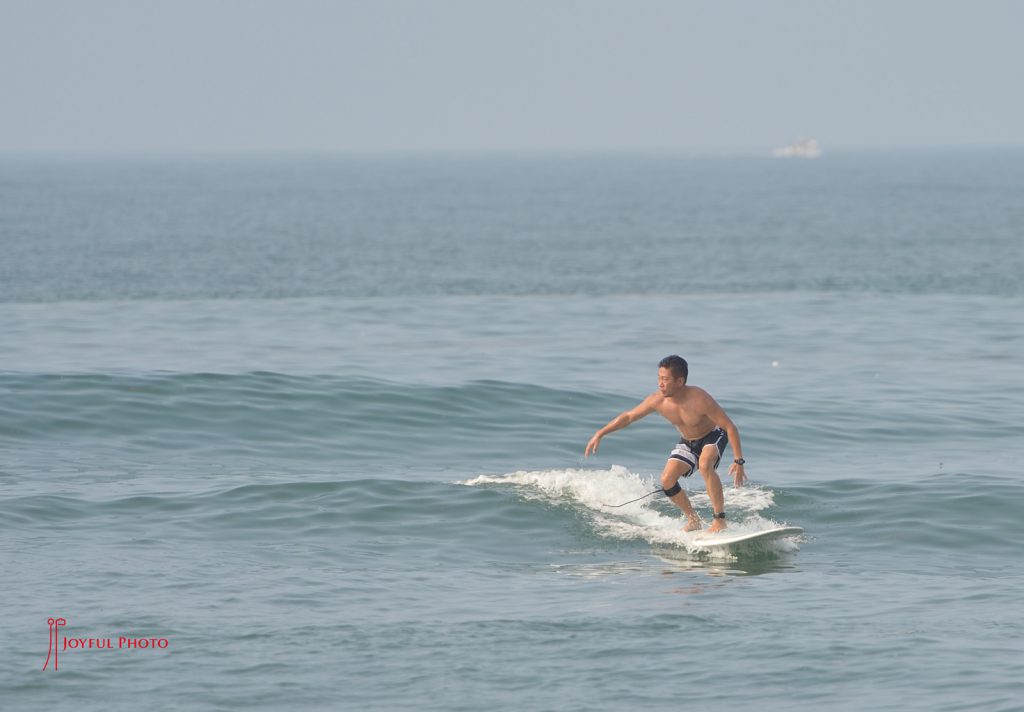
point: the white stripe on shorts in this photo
(681, 452)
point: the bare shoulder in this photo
(646, 407)
(704, 403)
(699, 394)
(701, 399)
(651, 402)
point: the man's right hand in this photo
(592, 445)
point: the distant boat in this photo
(803, 148)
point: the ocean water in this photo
(312, 428)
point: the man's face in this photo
(667, 383)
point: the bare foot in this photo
(692, 524)
(716, 526)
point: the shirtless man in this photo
(705, 430)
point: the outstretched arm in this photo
(623, 420)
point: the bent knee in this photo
(707, 469)
(671, 475)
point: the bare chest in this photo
(689, 418)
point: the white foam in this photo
(598, 490)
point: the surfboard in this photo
(726, 538)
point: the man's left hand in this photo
(738, 475)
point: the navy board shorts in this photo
(689, 451)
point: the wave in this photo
(495, 514)
(307, 417)
(954, 513)
(383, 515)
(482, 424)
(611, 500)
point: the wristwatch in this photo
(740, 461)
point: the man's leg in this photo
(674, 469)
(709, 457)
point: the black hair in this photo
(677, 365)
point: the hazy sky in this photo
(311, 75)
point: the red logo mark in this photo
(55, 624)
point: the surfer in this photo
(705, 431)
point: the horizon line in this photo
(847, 149)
